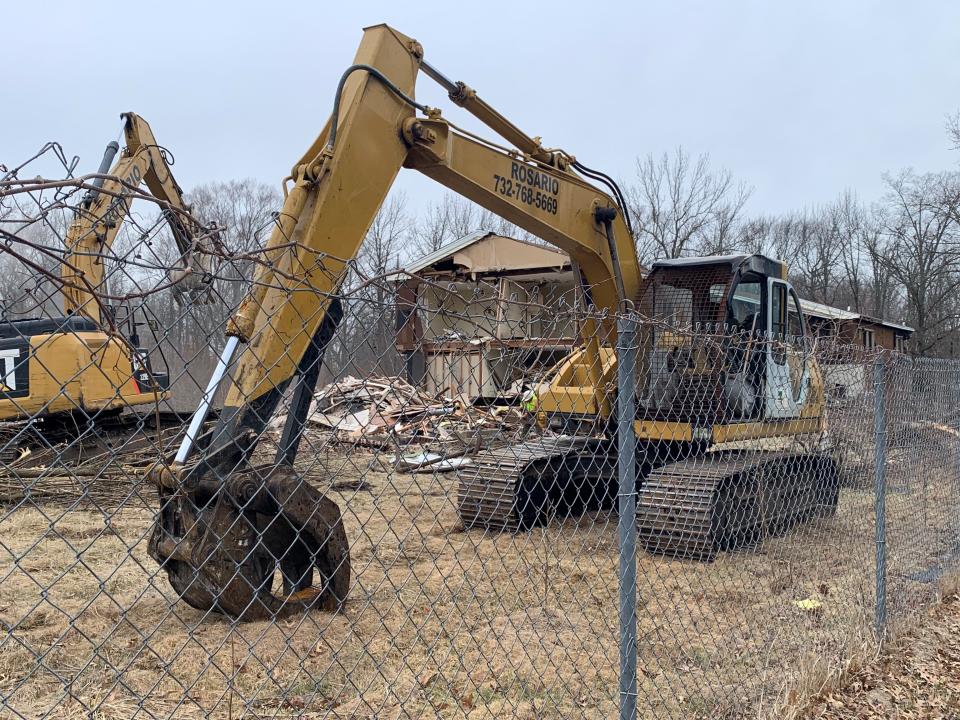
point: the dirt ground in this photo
(446, 623)
(917, 677)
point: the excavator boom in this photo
(81, 362)
(103, 210)
(339, 185)
(291, 310)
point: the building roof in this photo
(484, 252)
(444, 251)
(888, 323)
(827, 312)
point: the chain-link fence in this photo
(483, 505)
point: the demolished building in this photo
(484, 314)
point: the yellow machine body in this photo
(79, 362)
(68, 371)
(277, 338)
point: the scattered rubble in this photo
(427, 433)
(433, 430)
(103, 465)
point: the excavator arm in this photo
(103, 210)
(339, 184)
(291, 312)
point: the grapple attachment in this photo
(260, 545)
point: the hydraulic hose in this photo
(334, 120)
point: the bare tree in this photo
(953, 129)
(754, 234)
(365, 340)
(454, 216)
(923, 256)
(880, 252)
(246, 210)
(385, 246)
(188, 337)
(680, 205)
(816, 256)
(23, 291)
(848, 223)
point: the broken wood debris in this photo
(388, 411)
(104, 467)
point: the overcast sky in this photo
(798, 99)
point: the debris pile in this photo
(104, 467)
(10, 433)
(388, 412)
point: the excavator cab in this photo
(725, 342)
(728, 385)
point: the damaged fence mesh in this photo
(406, 503)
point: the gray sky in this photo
(798, 99)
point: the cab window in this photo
(744, 311)
(795, 318)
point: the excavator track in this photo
(524, 486)
(699, 506)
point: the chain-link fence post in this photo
(880, 491)
(627, 508)
(955, 409)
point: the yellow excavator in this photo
(80, 362)
(259, 541)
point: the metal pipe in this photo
(627, 507)
(113, 147)
(200, 415)
(442, 80)
(880, 493)
(467, 98)
(606, 217)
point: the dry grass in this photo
(443, 623)
(917, 676)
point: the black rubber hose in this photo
(612, 185)
(379, 76)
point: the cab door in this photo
(788, 375)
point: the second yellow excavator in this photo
(81, 363)
(255, 542)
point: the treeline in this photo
(896, 256)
